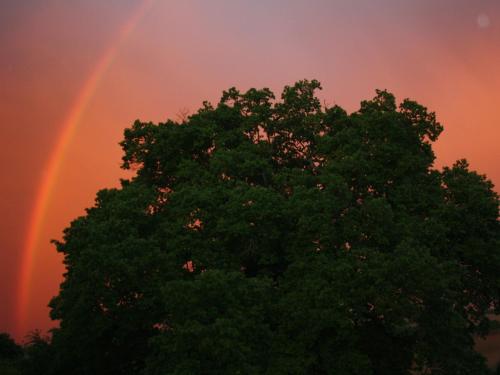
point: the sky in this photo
(74, 74)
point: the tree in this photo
(38, 355)
(281, 237)
(10, 355)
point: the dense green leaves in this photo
(265, 236)
(218, 323)
(10, 355)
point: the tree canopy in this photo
(279, 236)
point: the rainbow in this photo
(55, 160)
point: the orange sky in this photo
(444, 54)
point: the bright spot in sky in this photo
(483, 21)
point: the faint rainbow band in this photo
(54, 162)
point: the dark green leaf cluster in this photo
(10, 355)
(266, 236)
(33, 358)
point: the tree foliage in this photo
(38, 355)
(10, 355)
(277, 236)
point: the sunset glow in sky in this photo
(74, 74)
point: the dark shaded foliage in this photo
(8, 347)
(38, 355)
(10, 355)
(266, 236)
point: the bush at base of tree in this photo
(265, 236)
(10, 355)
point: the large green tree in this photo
(277, 236)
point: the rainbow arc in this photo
(56, 157)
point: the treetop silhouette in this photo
(277, 236)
